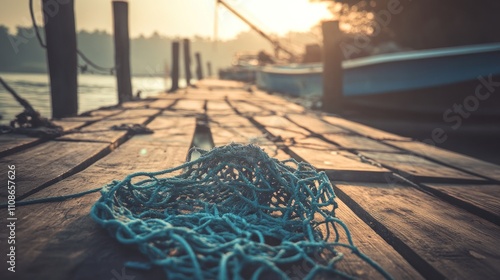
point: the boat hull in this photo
(413, 79)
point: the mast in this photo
(277, 46)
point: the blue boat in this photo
(400, 77)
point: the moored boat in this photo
(399, 76)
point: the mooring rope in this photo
(232, 213)
(79, 52)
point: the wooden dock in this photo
(417, 210)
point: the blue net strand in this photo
(233, 213)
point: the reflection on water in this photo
(94, 91)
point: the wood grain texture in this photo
(340, 165)
(414, 167)
(60, 241)
(374, 246)
(246, 108)
(279, 126)
(102, 131)
(364, 129)
(482, 200)
(237, 129)
(359, 143)
(47, 163)
(12, 143)
(315, 124)
(479, 167)
(169, 131)
(440, 240)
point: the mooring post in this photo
(61, 44)
(122, 51)
(209, 69)
(199, 70)
(187, 61)
(175, 67)
(332, 67)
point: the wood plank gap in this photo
(410, 177)
(412, 257)
(78, 168)
(469, 207)
(87, 162)
(432, 159)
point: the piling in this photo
(62, 59)
(187, 61)
(332, 67)
(122, 51)
(175, 67)
(209, 68)
(199, 70)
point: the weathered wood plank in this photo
(103, 112)
(374, 246)
(414, 167)
(278, 126)
(195, 106)
(50, 162)
(320, 154)
(137, 104)
(245, 108)
(236, 129)
(219, 84)
(340, 165)
(219, 107)
(169, 131)
(315, 124)
(440, 240)
(482, 200)
(282, 106)
(12, 143)
(364, 129)
(161, 104)
(102, 131)
(134, 113)
(463, 162)
(68, 244)
(359, 143)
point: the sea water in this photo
(94, 91)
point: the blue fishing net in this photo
(233, 213)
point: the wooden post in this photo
(332, 67)
(209, 68)
(175, 67)
(187, 61)
(199, 70)
(122, 51)
(60, 37)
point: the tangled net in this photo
(232, 213)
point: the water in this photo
(94, 91)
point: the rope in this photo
(232, 213)
(51, 199)
(80, 53)
(29, 122)
(35, 26)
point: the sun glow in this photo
(277, 16)
(184, 17)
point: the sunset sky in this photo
(181, 17)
